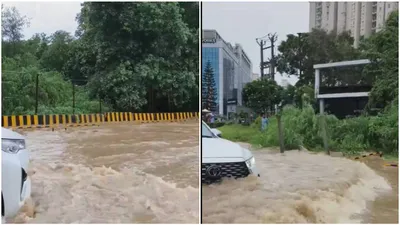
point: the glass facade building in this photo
(232, 70)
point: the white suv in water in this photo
(15, 183)
(222, 158)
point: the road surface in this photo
(120, 173)
(300, 187)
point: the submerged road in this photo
(119, 173)
(300, 187)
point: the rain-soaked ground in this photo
(300, 187)
(121, 173)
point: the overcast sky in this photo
(235, 22)
(243, 22)
(48, 17)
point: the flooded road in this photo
(121, 173)
(384, 209)
(299, 187)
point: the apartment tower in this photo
(360, 18)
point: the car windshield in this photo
(206, 132)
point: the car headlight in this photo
(250, 162)
(12, 145)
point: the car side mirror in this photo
(217, 132)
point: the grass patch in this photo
(238, 133)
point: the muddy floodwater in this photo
(120, 173)
(300, 187)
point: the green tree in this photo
(261, 95)
(190, 15)
(304, 95)
(133, 56)
(209, 89)
(37, 44)
(12, 25)
(56, 54)
(141, 58)
(382, 49)
(288, 95)
(298, 54)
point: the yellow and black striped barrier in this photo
(51, 121)
(380, 154)
(391, 164)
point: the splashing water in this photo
(122, 173)
(296, 187)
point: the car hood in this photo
(9, 134)
(223, 149)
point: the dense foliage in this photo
(382, 49)
(260, 95)
(126, 55)
(301, 125)
(298, 54)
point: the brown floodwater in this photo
(300, 187)
(120, 173)
(384, 209)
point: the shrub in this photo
(216, 124)
(303, 127)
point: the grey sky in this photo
(243, 22)
(236, 22)
(48, 17)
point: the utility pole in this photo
(100, 104)
(37, 94)
(263, 65)
(271, 63)
(73, 98)
(272, 39)
(261, 43)
(300, 36)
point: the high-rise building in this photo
(360, 18)
(232, 70)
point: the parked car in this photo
(224, 159)
(15, 183)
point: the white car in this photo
(15, 183)
(222, 158)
